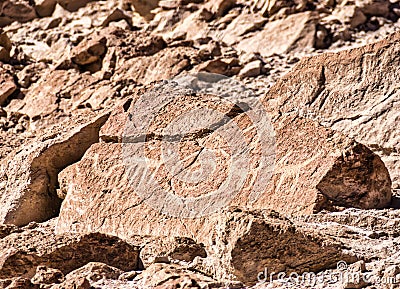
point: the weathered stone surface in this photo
(89, 51)
(18, 283)
(296, 32)
(95, 271)
(316, 167)
(7, 85)
(72, 5)
(174, 248)
(74, 282)
(163, 65)
(350, 15)
(240, 26)
(354, 92)
(5, 47)
(144, 7)
(173, 276)
(45, 8)
(29, 176)
(251, 69)
(46, 275)
(220, 7)
(18, 10)
(374, 7)
(23, 252)
(327, 171)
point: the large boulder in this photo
(132, 188)
(29, 175)
(353, 91)
(23, 254)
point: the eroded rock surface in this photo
(23, 252)
(65, 64)
(29, 177)
(354, 92)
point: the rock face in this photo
(29, 177)
(297, 32)
(322, 171)
(23, 252)
(153, 183)
(354, 92)
(326, 171)
(333, 171)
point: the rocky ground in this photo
(310, 187)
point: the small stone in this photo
(396, 11)
(114, 16)
(45, 8)
(18, 10)
(22, 283)
(75, 283)
(46, 275)
(72, 5)
(251, 69)
(7, 85)
(89, 51)
(161, 259)
(220, 7)
(5, 41)
(128, 276)
(4, 55)
(358, 266)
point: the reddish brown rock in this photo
(46, 275)
(353, 91)
(74, 282)
(162, 65)
(94, 271)
(5, 47)
(322, 171)
(347, 15)
(18, 283)
(144, 7)
(163, 276)
(224, 66)
(220, 7)
(294, 33)
(89, 51)
(7, 85)
(18, 10)
(72, 5)
(315, 168)
(29, 176)
(45, 8)
(374, 7)
(23, 252)
(174, 248)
